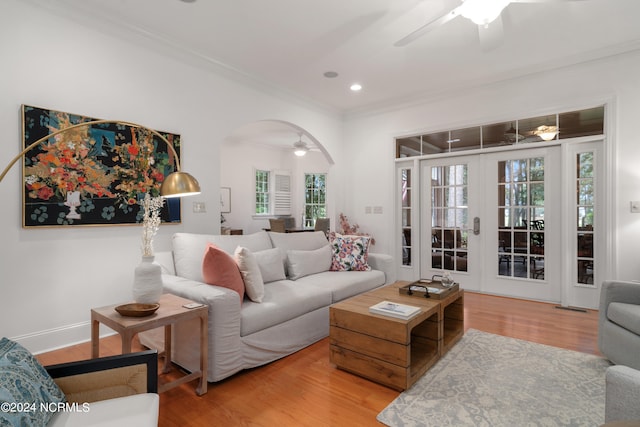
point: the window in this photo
(540, 129)
(405, 191)
(273, 192)
(315, 198)
(262, 192)
(585, 209)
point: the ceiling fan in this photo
(484, 13)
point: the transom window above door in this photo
(531, 130)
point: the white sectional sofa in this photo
(292, 315)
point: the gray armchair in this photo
(622, 395)
(619, 323)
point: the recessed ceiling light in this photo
(330, 74)
(356, 87)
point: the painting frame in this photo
(225, 200)
(93, 175)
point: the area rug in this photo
(491, 380)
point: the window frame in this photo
(268, 194)
(314, 205)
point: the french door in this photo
(451, 198)
(493, 221)
(523, 223)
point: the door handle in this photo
(476, 225)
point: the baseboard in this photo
(56, 338)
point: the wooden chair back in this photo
(277, 225)
(322, 224)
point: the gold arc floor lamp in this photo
(176, 184)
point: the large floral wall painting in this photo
(92, 175)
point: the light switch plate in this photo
(199, 207)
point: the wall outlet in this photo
(377, 209)
(367, 209)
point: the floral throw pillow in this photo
(349, 253)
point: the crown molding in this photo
(149, 40)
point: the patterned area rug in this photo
(491, 380)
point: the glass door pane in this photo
(449, 217)
(405, 192)
(585, 205)
(521, 231)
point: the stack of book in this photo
(394, 309)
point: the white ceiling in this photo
(289, 44)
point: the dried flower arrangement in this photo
(347, 228)
(150, 221)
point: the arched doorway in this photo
(268, 145)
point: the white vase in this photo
(147, 281)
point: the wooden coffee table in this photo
(390, 351)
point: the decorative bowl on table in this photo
(137, 309)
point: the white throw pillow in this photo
(304, 263)
(270, 263)
(248, 265)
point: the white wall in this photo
(50, 278)
(614, 80)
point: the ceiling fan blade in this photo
(427, 27)
(491, 35)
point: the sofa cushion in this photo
(251, 275)
(345, 284)
(625, 315)
(24, 381)
(188, 249)
(218, 268)
(270, 264)
(283, 300)
(306, 241)
(304, 263)
(350, 253)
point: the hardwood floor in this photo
(305, 389)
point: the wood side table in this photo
(171, 311)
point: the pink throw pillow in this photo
(220, 269)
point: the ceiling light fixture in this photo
(356, 87)
(547, 133)
(482, 12)
(300, 148)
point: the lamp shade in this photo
(179, 184)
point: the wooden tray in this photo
(137, 310)
(417, 289)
